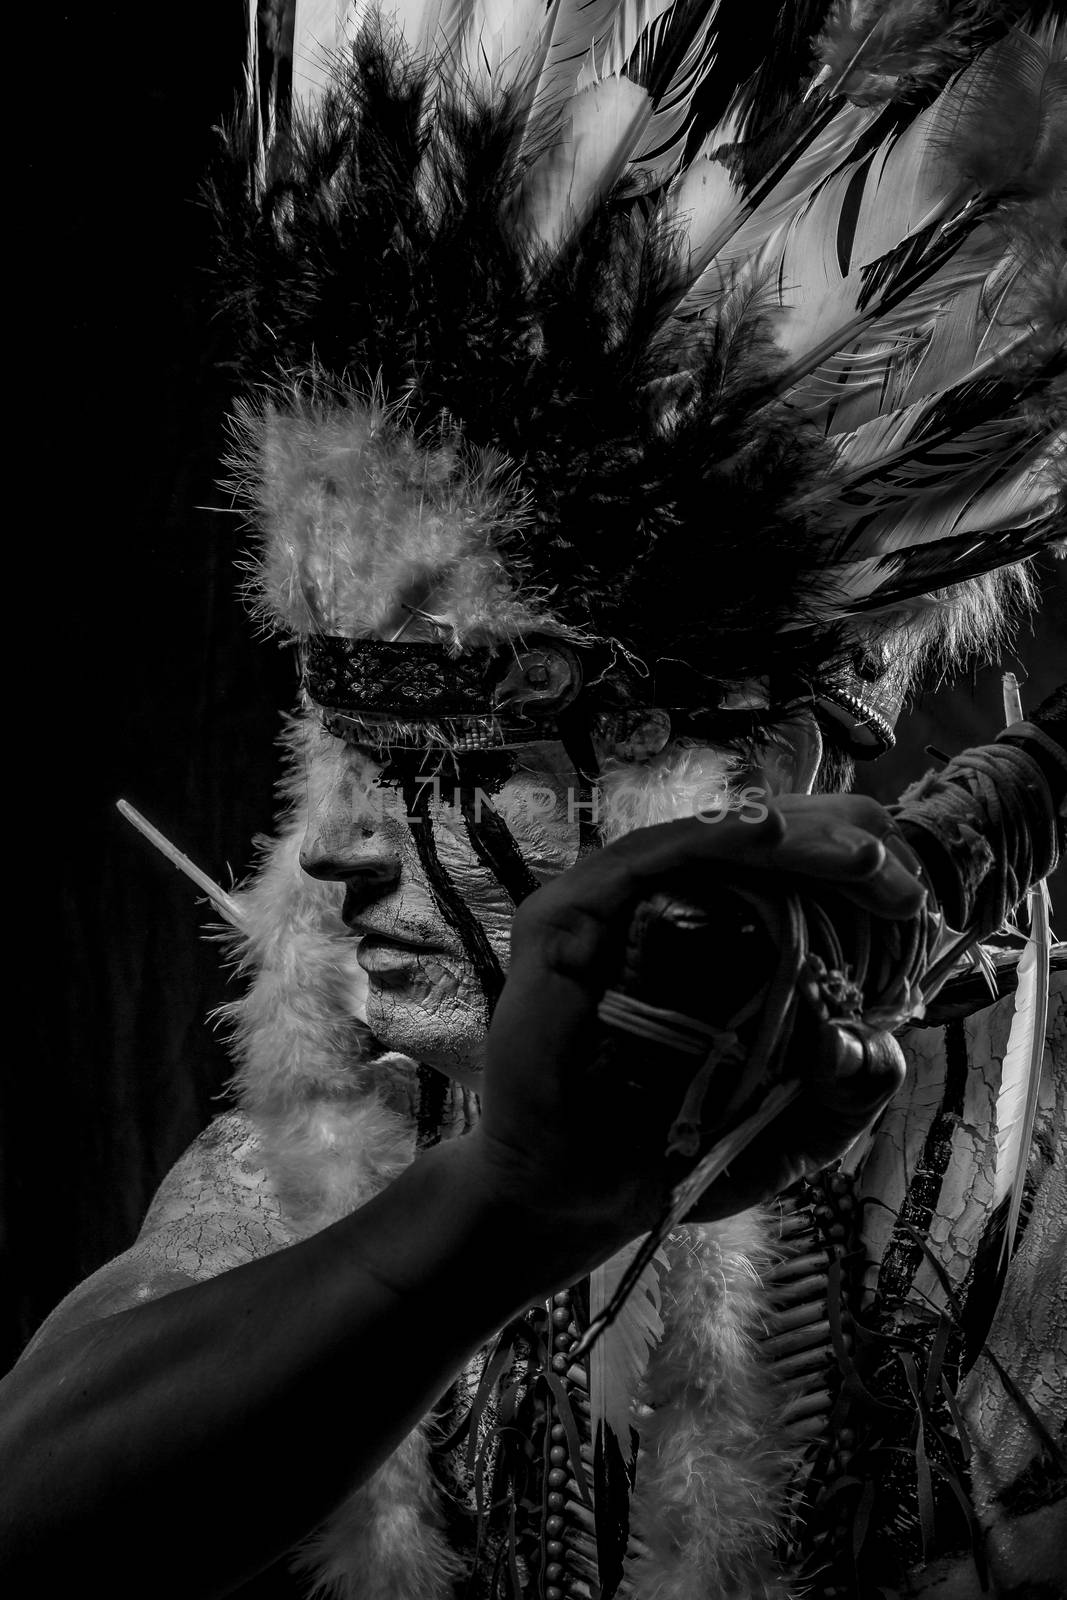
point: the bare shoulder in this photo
(221, 1174)
(215, 1210)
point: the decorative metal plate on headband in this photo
(419, 693)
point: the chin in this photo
(450, 1036)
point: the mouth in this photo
(375, 940)
(392, 959)
(390, 946)
(385, 926)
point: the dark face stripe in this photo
(495, 847)
(417, 797)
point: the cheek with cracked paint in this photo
(431, 1006)
(539, 804)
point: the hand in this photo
(581, 1161)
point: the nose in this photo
(349, 838)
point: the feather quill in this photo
(884, 451)
(1002, 487)
(729, 235)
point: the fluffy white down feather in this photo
(360, 521)
(385, 1540)
(714, 1470)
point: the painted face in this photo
(425, 996)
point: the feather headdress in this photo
(717, 349)
(739, 352)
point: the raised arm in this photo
(203, 1423)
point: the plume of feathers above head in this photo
(365, 526)
(728, 332)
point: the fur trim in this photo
(713, 1472)
(335, 1127)
(939, 632)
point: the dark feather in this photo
(381, 239)
(561, 363)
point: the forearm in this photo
(240, 1411)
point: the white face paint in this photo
(424, 997)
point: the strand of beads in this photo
(569, 1567)
(821, 1275)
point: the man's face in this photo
(424, 997)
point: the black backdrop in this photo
(138, 674)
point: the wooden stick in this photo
(222, 901)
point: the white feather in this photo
(1020, 1079)
(727, 240)
(1021, 1074)
(566, 182)
(1000, 489)
(929, 174)
(608, 124)
(618, 1360)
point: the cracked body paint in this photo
(216, 1209)
(932, 1161)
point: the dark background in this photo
(139, 672)
(143, 677)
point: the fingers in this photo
(891, 890)
(564, 922)
(846, 840)
(851, 841)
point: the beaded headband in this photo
(411, 695)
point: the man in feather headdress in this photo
(643, 407)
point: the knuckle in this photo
(867, 813)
